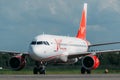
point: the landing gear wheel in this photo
(83, 70)
(42, 70)
(35, 70)
(88, 71)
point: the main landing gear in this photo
(39, 68)
(83, 70)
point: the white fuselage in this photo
(49, 47)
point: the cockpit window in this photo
(39, 43)
(47, 43)
(33, 42)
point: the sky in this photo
(22, 20)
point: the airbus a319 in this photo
(60, 49)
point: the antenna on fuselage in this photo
(43, 33)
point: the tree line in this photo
(111, 59)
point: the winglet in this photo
(82, 29)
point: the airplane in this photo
(60, 49)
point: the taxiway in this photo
(62, 77)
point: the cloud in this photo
(59, 7)
(26, 18)
(52, 8)
(96, 28)
(110, 5)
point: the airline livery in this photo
(60, 49)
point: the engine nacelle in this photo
(17, 62)
(90, 62)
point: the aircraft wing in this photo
(12, 52)
(103, 44)
(92, 53)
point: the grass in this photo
(7, 71)
(56, 71)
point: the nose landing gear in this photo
(39, 68)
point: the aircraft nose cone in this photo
(34, 52)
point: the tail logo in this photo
(82, 29)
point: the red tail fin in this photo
(82, 29)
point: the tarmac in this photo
(62, 77)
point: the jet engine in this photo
(17, 62)
(90, 62)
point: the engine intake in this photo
(90, 62)
(17, 63)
